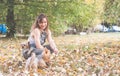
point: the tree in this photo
(61, 13)
(10, 18)
(111, 11)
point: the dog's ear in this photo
(22, 45)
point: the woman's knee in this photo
(37, 51)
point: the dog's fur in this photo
(31, 63)
(26, 51)
(25, 45)
(46, 55)
(35, 61)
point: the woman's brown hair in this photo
(38, 20)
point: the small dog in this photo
(46, 56)
(35, 61)
(26, 50)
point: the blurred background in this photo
(65, 16)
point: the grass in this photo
(78, 41)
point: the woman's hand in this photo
(56, 51)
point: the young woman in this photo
(38, 35)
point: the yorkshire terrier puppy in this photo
(26, 50)
(34, 61)
(46, 56)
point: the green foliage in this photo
(3, 11)
(61, 13)
(59, 28)
(111, 11)
(85, 15)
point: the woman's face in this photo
(43, 24)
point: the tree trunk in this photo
(1, 1)
(10, 19)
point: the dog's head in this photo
(46, 55)
(24, 46)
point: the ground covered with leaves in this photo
(87, 55)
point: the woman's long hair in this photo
(38, 20)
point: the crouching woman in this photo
(39, 33)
